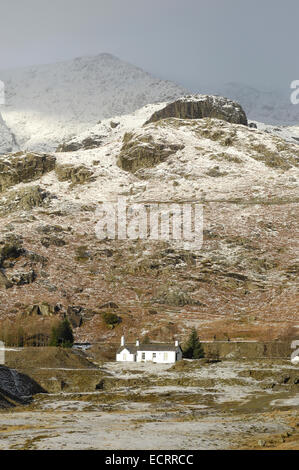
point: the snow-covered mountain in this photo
(48, 103)
(268, 107)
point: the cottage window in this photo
(154, 356)
(143, 356)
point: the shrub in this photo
(111, 319)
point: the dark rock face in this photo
(202, 106)
(23, 167)
(16, 387)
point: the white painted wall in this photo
(161, 357)
(125, 356)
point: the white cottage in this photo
(162, 353)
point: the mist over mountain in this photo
(47, 103)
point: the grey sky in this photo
(192, 42)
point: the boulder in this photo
(23, 167)
(202, 106)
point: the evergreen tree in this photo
(62, 335)
(193, 348)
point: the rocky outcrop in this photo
(10, 248)
(74, 174)
(16, 388)
(24, 199)
(86, 144)
(20, 278)
(23, 167)
(43, 309)
(202, 106)
(142, 151)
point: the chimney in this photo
(176, 343)
(122, 341)
(137, 343)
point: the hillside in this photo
(47, 103)
(241, 284)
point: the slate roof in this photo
(132, 348)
